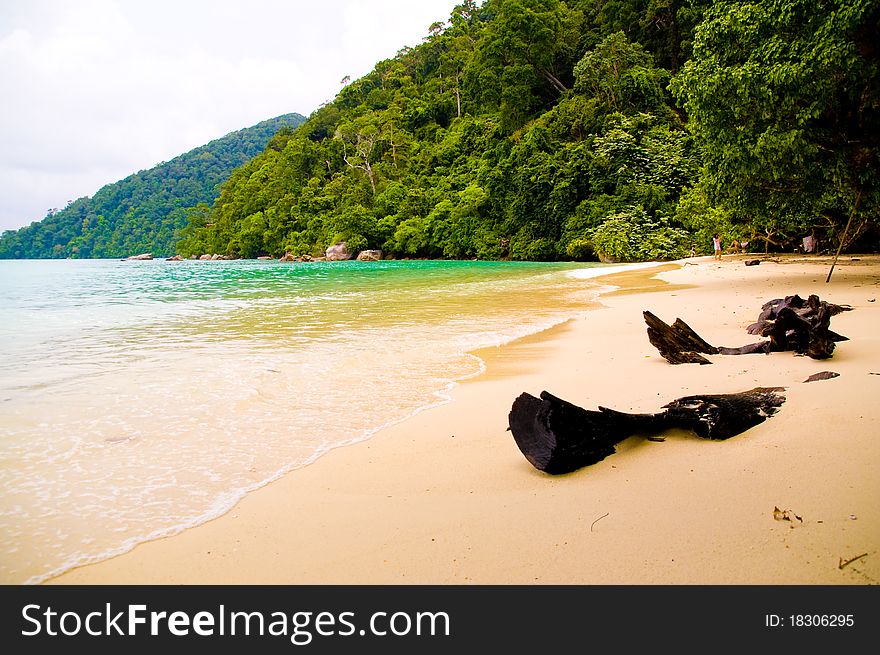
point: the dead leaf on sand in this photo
(785, 515)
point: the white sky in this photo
(92, 91)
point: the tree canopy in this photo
(784, 97)
(559, 129)
(514, 130)
(550, 129)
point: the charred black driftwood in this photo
(793, 323)
(678, 343)
(790, 323)
(558, 437)
(824, 375)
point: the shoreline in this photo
(445, 497)
(281, 384)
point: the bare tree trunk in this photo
(363, 149)
(557, 84)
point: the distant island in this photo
(146, 211)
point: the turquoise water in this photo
(141, 398)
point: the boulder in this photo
(176, 258)
(287, 257)
(142, 257)
(369, 256)
(337, 252)
(205, 257)
(215, 257)
(264, 257)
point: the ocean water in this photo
(141, 398)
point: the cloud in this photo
(98, 89)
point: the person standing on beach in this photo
(716, 243)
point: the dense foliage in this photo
(146, 211)
(517, 129)
(784, 95)
(562, 129)
(547, 129)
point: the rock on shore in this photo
(369, 256)
(337, 252)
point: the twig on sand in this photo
(847, 562)
(603, 516)
(843, 237)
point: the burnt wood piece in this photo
(824, 375)
(678, 343)
(762, 347)
(790, 323)
(805, 308)
(721, 416)
(557, 436)
(793, 323)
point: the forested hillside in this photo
(559, 129)
(146, 211)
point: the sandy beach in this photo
(446, 497)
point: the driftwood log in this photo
(790, 324)
(558, 437)
(793, 323)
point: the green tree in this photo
(631, 235)
(783, 96)
(524, 59)
(621, 75)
